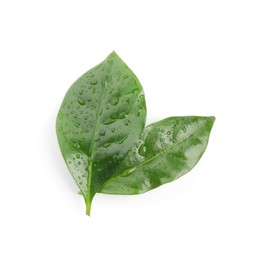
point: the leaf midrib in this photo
(92, 147)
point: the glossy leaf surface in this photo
(102, 115)
(165, 151)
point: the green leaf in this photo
(165, 151)
(102, 115)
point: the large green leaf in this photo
(102, 115)
(165, 151)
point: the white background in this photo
(192, 58)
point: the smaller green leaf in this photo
(165, 151)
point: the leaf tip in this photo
(113, 54)
(212, 118)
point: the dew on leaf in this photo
(122, 115)
(128, 172)
(85, 130)
(137, 113)
(122, 140)
(93, 81)
(81, 101)
(127, 122)
(102, 132)
(114, 101)
(142, 150)
(109, 121)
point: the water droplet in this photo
(127, 122)
(114, 101)
(142, 96)
(113, 130)
(80, 183)
(125, 76)
(168, 132)
(93, 81)
(122, 140)
(184, 129)
(109, 121)
(128, 172)
(81, 101)
(85, 131)
(142, 150)
(115, 158)
(78, 155)
(137, 113)
(106, 145)
(147, 182)
(122, 115)
(77, 124)
(162, 131)
(79, 163)
(102, 132)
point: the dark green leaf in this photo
(165, 151)
(102, 115)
